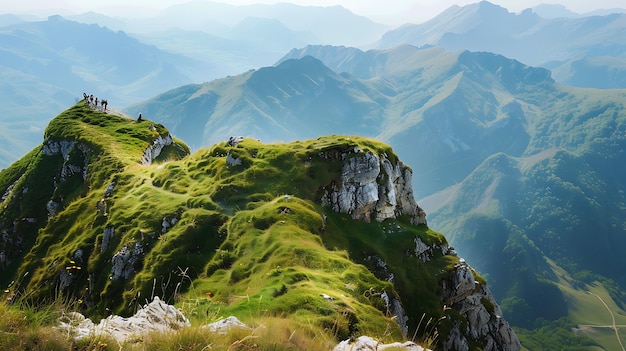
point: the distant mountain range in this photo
(526, 36)
(340, 26)
(514, 165)
(60, 58)
(213, 40)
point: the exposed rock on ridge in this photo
(372, 187)
(156, 316)
(154, 150)
(475, 302)
(366, 343)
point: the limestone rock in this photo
(425, 252)
(153, 151)
(167, 223)
(232, 161)
(58, 147)
(224, 325)
(366, 343)
(63, 148)
(122, 263)
(108, 235)
(475, 302)
(372, 187)
(7, 192)
(156, 316)
(110, 189)
(69, 170)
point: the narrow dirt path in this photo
(613, 326)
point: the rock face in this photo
(122, 263)
(71, 165)
(156, 316)
(372, 187)
(485, 325)
(153, 151)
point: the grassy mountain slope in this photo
(47, 65)
(230, 230)
(106, 144)
(520, 170)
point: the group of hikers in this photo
(95, 104)
(101, 105)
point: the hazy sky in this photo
(386, 11)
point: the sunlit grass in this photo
(249, 240)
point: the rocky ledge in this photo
(372, 187)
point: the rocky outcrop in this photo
(109, 232)
(123, 262)
(231, 160)
(58, 147)
(53, 208)
(153, 151)
(485, 325)
(366, 343)
(223, 326)
(156, 316)
(71, 165)
(371, 187)
(167, 223)
(75, 160)
(426, 252)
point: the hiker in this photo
(139, 119)
(104, 104)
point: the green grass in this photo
(25, 327)
(234, 243)
(581, 328)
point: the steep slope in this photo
(47, 65)
(82, 148)
(511, 164)
(325, 233)
(556, 202)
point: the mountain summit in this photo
(324, 233)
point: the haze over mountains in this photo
(513, 124)
(202, 41)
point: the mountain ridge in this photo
(231, 217)
(452, 114)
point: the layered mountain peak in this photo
(325, 232)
